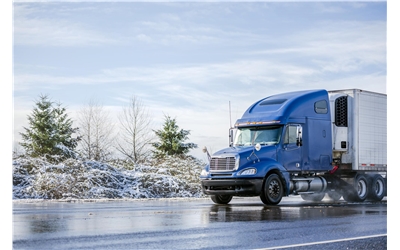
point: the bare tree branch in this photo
(136, 134)
(96, 130)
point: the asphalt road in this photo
(199, 224)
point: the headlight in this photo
(249, 171)
(203, 172)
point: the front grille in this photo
(222, 164)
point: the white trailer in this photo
(359, 131)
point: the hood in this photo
(266, 151)
(233, 151)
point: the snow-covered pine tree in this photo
(50, 132)
(171, 139)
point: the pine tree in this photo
(171, 139)
(50, 132)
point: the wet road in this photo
(199, 224)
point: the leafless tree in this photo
(136, 134)
(96, 130)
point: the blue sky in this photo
(190, 60)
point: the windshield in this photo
(269, 135)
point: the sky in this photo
(202, 63)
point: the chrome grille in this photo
(222, 164)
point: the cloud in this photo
(203, 76)
(32, 29)
(144, 38)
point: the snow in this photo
(171, 177)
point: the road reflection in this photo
(78, 219)
(232, 213)
(47, 224)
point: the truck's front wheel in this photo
(221, 199)
(272, 191)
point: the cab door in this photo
(290, 155)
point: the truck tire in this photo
(385, 186)
(313, 197)
(359, 191)
(272, 191)
(377, 188)
(221, 199)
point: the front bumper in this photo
(245, 187)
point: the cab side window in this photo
(290, 135)
(321, 107)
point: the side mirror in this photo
(231, 137)
(299, 138)
(257, 147)
(208, 154)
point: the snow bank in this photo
(172, 177)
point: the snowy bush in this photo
(35, 178)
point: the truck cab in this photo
(282, 135)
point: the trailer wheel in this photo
(272, 191)
(359, 191)
(377, 188)
(221, 199)
(313, 197)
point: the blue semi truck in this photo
(312, 143)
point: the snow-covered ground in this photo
(171, 177)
